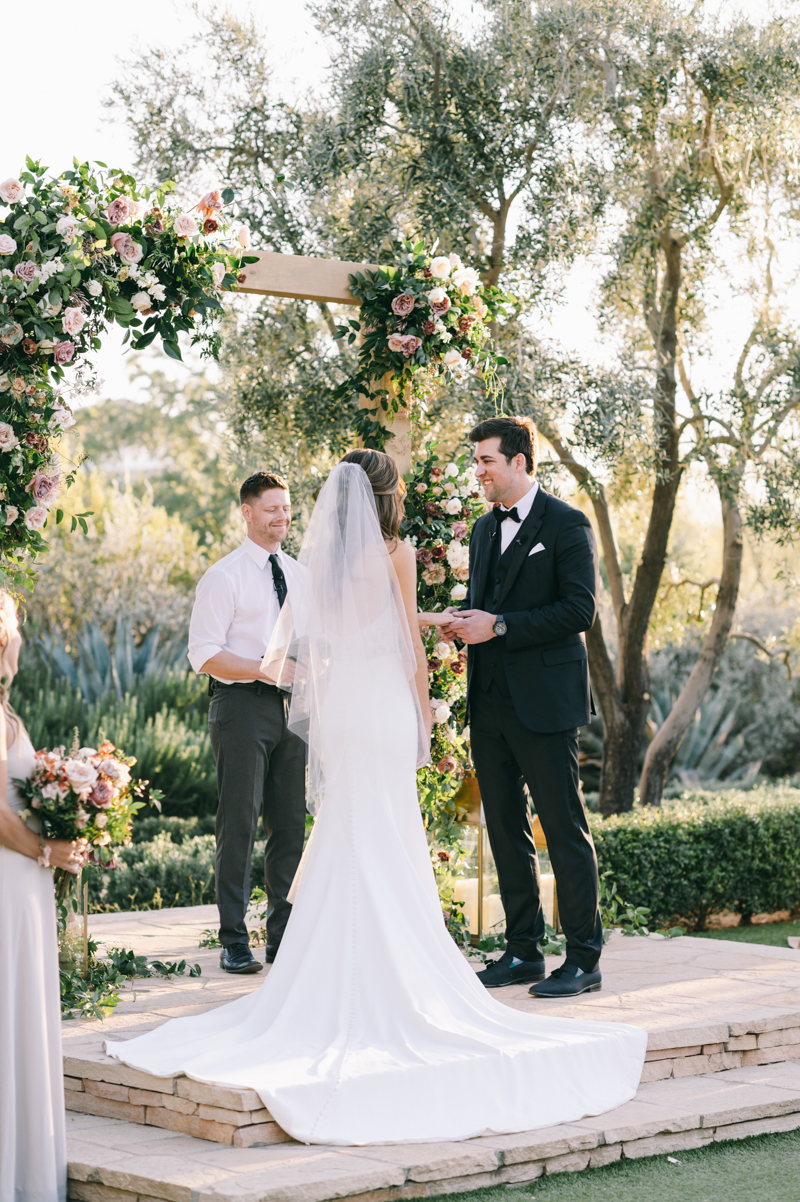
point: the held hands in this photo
(470, 625)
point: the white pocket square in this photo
(533, 550)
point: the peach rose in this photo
(12, 192)
(211, 202)
(8, 439)
(185, 226)
(73, 321)
(12, 513)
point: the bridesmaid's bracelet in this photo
(44, 858)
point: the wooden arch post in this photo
(297, 277)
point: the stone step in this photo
(97, 1084)
(111, 1160)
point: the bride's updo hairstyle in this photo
(8, 628)
(388, 488)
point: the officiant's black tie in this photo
(278, 579)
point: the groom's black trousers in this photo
(261, 768)
(508, 756)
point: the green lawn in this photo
(773, 933)
(763, 1169)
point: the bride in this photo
(371, 1027)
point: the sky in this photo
(57, 94)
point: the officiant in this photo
(261, 764)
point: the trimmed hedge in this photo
(703, 853)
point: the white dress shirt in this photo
(509, 528)
(236, 606)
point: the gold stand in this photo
(85, 926)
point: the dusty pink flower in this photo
(27, 271)
(435, 574)
(460, 530)
(424, 555)
(403, 304)
(119, 210)
(43, 488)
(404, 344)
(8, 439)
(12, 191)
(128, 250)
(63, 351)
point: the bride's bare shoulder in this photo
(401, 553)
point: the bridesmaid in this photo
(33, 1154)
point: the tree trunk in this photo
(661, 751)
(623, 727)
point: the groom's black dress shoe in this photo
(498, 973)
(238, 958)
(568, 981)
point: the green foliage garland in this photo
(422, 322)
(78, 253)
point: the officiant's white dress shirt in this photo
(509, 528)
(236, 606)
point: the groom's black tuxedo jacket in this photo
(547, 599)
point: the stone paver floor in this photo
(680, 990)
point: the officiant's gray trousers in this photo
(261, 768)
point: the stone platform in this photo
(723, 1023)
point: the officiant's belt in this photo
(255, 686)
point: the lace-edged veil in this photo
(343, 615)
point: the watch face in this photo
(500, 626)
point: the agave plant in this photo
(99, 669)
(709, 748)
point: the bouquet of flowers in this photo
(88, 794)
(79, 253)
(423, 322)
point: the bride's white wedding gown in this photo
(371, 1027)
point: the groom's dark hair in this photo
(259, 482)
(518, 436)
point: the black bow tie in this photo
(278, 579)
(500, 514)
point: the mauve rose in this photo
(63, 352)
(73, 321)
(27, 271)
(12, 191)
(119, 210)
(403, 305)
(101, 795)
(429, 327)
(35, 517)
(43, 488)
(128, 250)
(460, 530)
(211, 202)
(438, 551)
(432, 509)
(37, 441)
(405, 344)
(210, 226)
(7, 245)
(424, 555)
(441, 308)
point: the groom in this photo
(532, 592)
(261, 764)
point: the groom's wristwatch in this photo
(500, 625)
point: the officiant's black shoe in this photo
(271, 954)
(238, 958)
(498, 973)
(568, 981)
